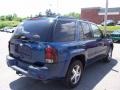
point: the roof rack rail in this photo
(65, 17)
(57, 17)
(84, 19)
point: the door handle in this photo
(100, 44)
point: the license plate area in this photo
(12, 48)
(24, 51)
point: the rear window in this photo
(65, 30)
(41, 28)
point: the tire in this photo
(114, 41)
(109, 55)
(74, 74)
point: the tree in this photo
(73, 14)
(15, 15)
(9, 17)
(38, 15)
(50, 13)
(2, 18)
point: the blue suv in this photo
(48, 48)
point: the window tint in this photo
(30, 28)
(86, 30)
(65, 30)
(81, 31)
(96, 31)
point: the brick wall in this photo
(91, 14)
(112, 17)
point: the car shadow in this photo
(92, 76)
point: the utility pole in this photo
(105, 18)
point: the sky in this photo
(25, 8)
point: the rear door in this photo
(64, 37)
(86, 38)
(100, 42)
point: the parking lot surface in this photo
(98, 76)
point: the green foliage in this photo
(110, 28)
(8, 23)
(11, 17)
(38, 15)
(10, 20)
(73, 14)
(2, 18)
(50, 13)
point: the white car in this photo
(10, 30)
(118, 23)
(5, 29)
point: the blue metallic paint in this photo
(91, 49)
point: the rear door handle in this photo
(100, 44)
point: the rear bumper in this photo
(42, 73)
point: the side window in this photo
(65, 30)
(81, 30)
(96, 31)
(86, 30)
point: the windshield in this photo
(34, 29)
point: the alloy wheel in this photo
(76, 74)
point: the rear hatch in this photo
(29, 40)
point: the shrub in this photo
(8, 24)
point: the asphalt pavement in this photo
(98, 76)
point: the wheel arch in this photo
(80, 57)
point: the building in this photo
(96, 14)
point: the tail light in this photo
(51, 55)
